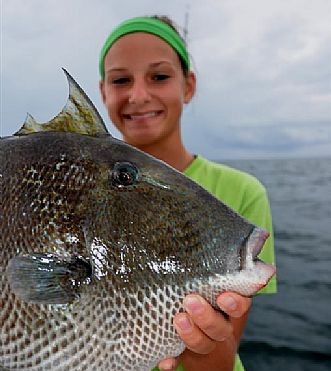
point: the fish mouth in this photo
(250, 262)
(253, 245)
(253, 274)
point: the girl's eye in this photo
(160, 77)
(120, 80)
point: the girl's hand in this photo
(202, 327)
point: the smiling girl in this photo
(145, 82)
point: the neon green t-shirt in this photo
(244, 194)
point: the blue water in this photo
(291, 330)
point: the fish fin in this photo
(30, 125)
(47, 278)
(79, 115)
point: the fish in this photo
(99, 244)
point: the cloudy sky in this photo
(263, 68)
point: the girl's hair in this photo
(165, 19)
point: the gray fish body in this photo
(99, 244)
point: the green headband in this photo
(149, 25)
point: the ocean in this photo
(291, 330)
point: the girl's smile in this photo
(141, 117)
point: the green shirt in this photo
(244, 194)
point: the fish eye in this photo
(124, 174)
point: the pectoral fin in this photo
(47, 278)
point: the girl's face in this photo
(144, 88)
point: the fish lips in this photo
(252, 247)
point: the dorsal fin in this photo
(79, 115)
(31, 125)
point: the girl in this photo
(145, 82)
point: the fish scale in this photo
(99, 245)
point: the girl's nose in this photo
(139, 93)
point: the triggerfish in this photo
(100, 243)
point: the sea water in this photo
(291, 330)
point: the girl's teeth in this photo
(146, 115)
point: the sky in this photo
(263, 68)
